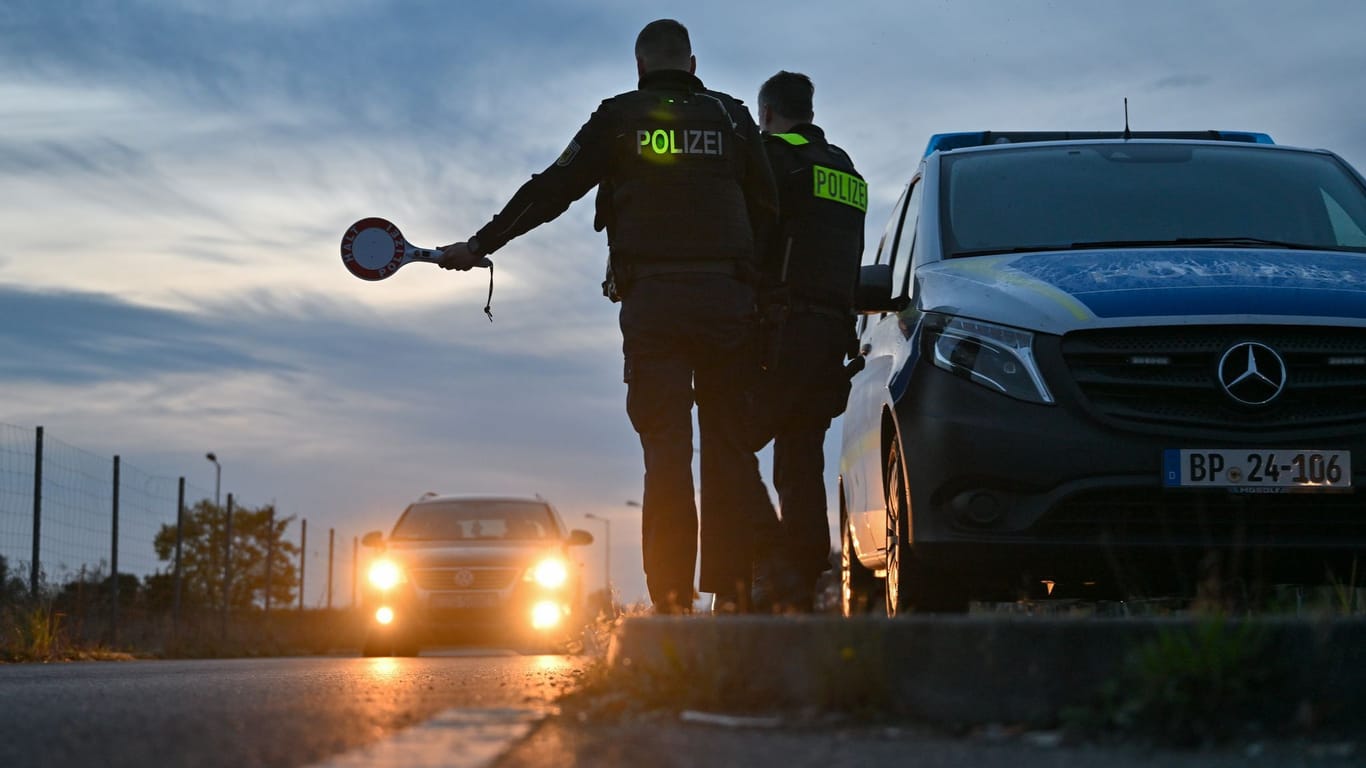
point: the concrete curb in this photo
(965, 669)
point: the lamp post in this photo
(217, 475)
(606, 558)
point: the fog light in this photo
(385, 615)
(982, 508)
(545, 615)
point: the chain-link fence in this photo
(109, 544)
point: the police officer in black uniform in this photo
(811, 271)
(687, 198)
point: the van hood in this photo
(1060, 291)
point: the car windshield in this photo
(488, 519)
(1152, 194)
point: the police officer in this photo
(687, 198)
(811, 270)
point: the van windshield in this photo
(1068, 197)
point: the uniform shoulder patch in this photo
(570, 152)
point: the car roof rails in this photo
(960, 140)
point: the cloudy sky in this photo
(175, 178)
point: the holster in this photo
(772, 322)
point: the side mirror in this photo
(874, 293)
(373, 539)
(578, 538)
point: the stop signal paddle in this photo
(373, 249)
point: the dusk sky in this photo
(175, 178)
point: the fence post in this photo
(331, 549)
(114, 560)
(355, 567)
(35, 568)
(303, 559)
(179, 535)
(270, 553)
(227, 564)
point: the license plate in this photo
(1270, 470)
(464, 600)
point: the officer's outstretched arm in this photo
(547, 194)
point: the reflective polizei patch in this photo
(841, 187)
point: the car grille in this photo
(1196, 516)
(446, 578)
(1115, 371)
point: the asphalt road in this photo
(249, 712)
(444, 709)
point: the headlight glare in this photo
(551, 573)
(385, 575)
(995, 356)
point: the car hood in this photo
(1060, 291)
(432, 554)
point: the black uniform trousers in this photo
(689, 338)
(806, 389)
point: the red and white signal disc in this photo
(372, 249)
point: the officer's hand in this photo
(459, 256)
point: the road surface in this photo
(250, 712)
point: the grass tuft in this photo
(1188, 686)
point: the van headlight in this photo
(551, 573)
(995, 356)
(384, 575)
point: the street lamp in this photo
(217, 475)
(606, 558)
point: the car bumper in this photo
(999, 485)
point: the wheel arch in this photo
(891, 433)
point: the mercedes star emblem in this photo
(1252, 373)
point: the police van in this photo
(1108, 365)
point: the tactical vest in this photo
(824, 201)
(674, 189)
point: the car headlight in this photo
(385, 575)
(995, 356)
(551, 573)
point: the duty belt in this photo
(650, 269)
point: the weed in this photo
(1188, 685)
(34, 633)
(1345, 593)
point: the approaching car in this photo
(1109, 365)
(454, 565)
